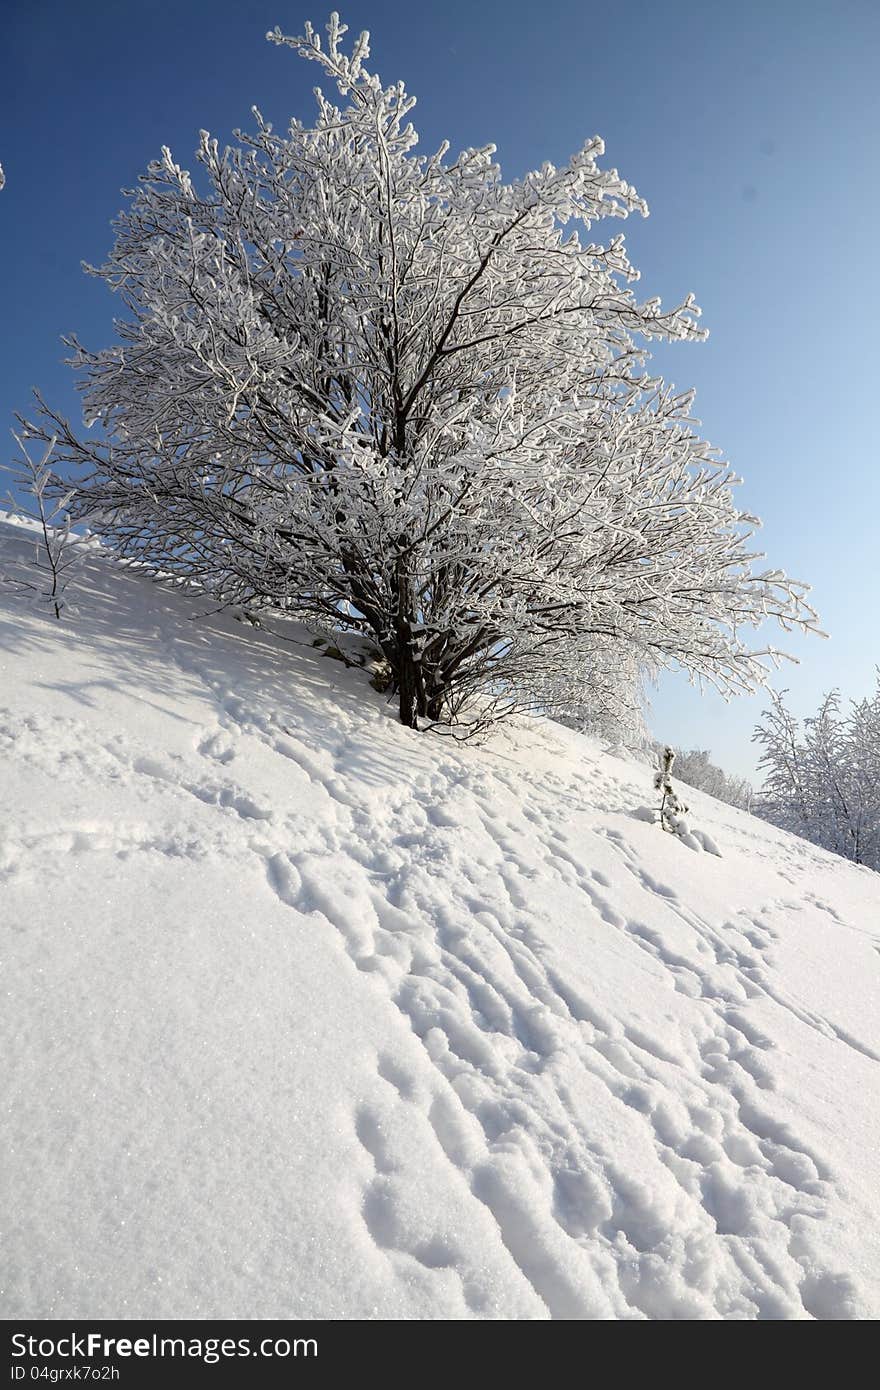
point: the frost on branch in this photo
(389, 392)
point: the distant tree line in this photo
(822, 777)
(694, 767)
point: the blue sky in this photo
(751, 128)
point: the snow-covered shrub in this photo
(36, 497)
(822, 781)
(389, 391)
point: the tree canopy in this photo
(394, 393)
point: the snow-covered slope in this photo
(310, 1015)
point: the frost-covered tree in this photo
(394, 393)
(863, 727)
(822, 781)
(56, 548)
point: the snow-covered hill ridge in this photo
(311, 1015)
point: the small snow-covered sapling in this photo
(672, 808)
(56, 548)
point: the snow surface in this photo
(309, 1015)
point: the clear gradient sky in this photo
(750, 127)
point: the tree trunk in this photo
(409, 687)
(407, 669)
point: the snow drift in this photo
(310, 1015)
